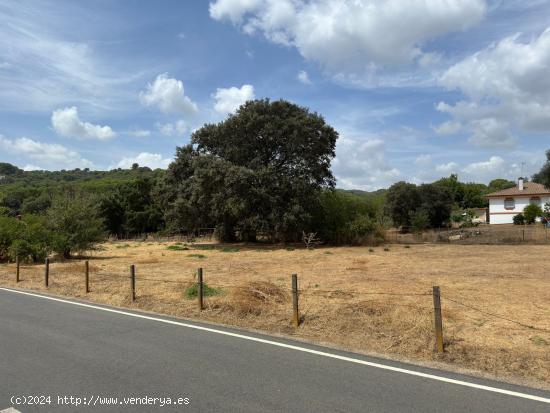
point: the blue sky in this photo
(417, 89)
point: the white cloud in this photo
(491, 133)
(423, 160)
(447, 168)
(362, 164)
(5, 65)
(177, 128)
(448, 128)
(139, 133)
(152, 160)
(67, 123)
(507, 88)
(168, 95)
(355, 35)
(51, 156)
(303, 77)
(228, 100)
(50, 66)
(494, 167)
(30, 167)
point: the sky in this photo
(417, 89)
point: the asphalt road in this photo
(57, 349)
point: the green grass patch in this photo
(230, 249)
(207, 291)
(328, 252)
(205, 247)
(539, 341)
(177, 248)
(371, 250)
(290, 248)
(123, 246)
(200, 256)
(407, 246)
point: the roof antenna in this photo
(522, 165)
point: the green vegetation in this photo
(531, 213)
(519, 219)
(263, 174)
(543, 176)
(177, 248)
(207, 291)
(230, 249)
(199, 256)
(256, 173)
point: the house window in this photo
(535, 201)
(509, 203)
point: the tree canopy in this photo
(259, 171)
(543, 176)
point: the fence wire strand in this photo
(498, 316)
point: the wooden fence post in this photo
(47, 273)
(295, 312)
(87, 276)
(200, 289)
(438, 320)
(17, 264)
(133, 281)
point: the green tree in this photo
(131, 208)
(76, 225)
(474, 196)
(437, 201)
(531, 213)
(259, 171)
(519, 219)
(402, 200)
(500, 184)
(420, 220)
(543, 176)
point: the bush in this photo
(207, 291)
(28, 239)
(420, 220)
(531, 213)
(76, 225)
(519, 219)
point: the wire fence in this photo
(482, 234)
(138, 289)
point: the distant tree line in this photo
(261, 174)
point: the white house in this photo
(503, 205)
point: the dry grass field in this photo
(375, 301)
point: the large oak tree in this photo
(257, 172)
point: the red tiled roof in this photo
(529, 188)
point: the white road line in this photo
(297, 348)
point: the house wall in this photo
(500, 215)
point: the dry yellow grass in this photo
(340, 301)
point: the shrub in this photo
(177, 248)
(531, 213)
(199, 256)
(519, 219)
(420, 220)
(207, 291)
(76, 225)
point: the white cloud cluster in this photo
(362, 164)
(45, 66)
(152, 160)
(303, 77)
(168, 95)
(508, 89)
(67, 123)
(177, 128)
(48, 155)
(228, 100)
(352, 35)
